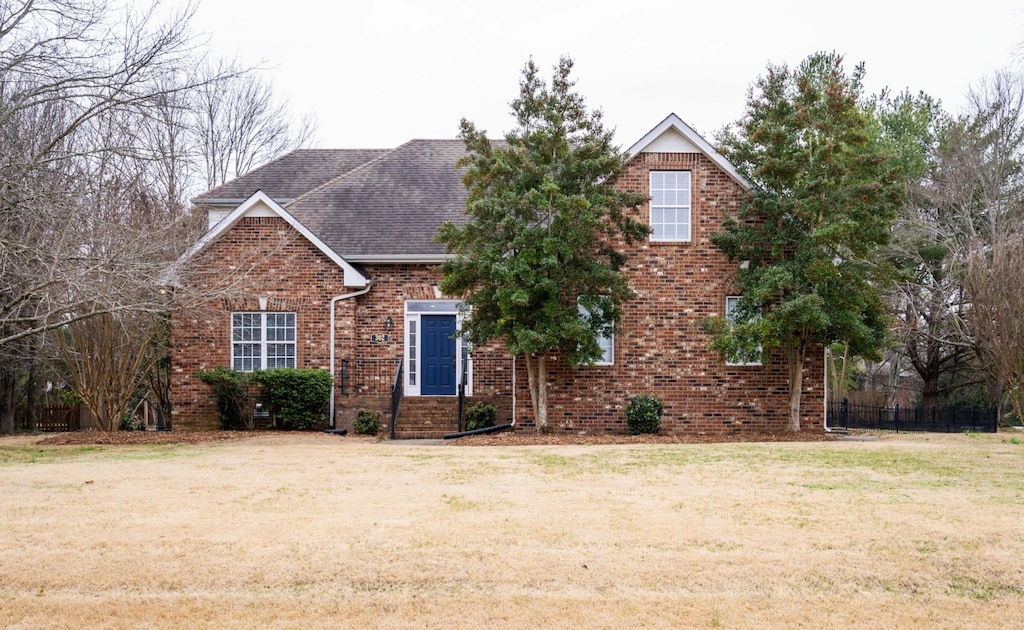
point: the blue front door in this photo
(438, 355)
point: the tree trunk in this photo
(537, 376)
(795, 358)
(8, 397)
(930, 391)
(32, 396)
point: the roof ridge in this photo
(361, 167)
(255, 170)
(277, 160)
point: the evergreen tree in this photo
(536, 262)
(825, 192)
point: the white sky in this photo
(378, 73)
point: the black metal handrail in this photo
(368, 377)
(396, 396)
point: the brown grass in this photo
(311, 531)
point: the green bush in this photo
(480, 416)
(643, 414)
(367, 423)
(229, 391)
(298, 398)
(129, 422)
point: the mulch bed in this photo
(529, 438)
(507, 438)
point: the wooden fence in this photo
(57, 419)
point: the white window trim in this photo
(609, 342)
(735, 299)
(688, 207)
(263, 342)
(440, 307)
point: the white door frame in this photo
(412, 336)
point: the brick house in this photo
(337, 268)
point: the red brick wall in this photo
(260, 257)
(659, 347)
(283, 267)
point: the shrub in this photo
(480, 416)
(229, 391)
(367, 422)
(298, 398)
(129, 422)
(643, 414)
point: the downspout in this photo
(824, 416)
(513, 391)
(331, 425)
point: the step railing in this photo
(396, 396)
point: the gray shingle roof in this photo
(389, 206)
(291, 175)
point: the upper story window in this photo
(261, 341)
(670, 206)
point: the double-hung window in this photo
(261, 341)
(670, 206)
(732, 302)
(605, 342)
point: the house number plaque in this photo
(378, 338)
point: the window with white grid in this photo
(670, 206)
(261, 341)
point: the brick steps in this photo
(425, 417)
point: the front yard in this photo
(310, 530)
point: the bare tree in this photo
(990, 195)
(100, 146)
(240, 123)
(994, 278)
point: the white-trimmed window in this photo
(605, 342)
(732, 302)
(670, 206)
(261, 341)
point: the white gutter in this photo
(334, 301)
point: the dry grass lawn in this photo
(311, 531)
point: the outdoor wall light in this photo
(388, 324)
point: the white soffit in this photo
(671, 142)
(260, 205)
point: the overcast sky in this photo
(376, 74)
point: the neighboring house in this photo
(347, 237)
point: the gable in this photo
(261, 205)
(672, 135)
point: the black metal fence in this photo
(934, 420)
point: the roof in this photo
(290, 175)
(385, 205)
(389, 208)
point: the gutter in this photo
(369, 285)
